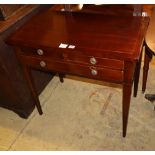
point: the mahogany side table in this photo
(96, 46)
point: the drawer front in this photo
(110, 75)
(54, 54)
(95, 61)
(74, 56)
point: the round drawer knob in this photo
(94, 72)
(93, 61)
(42, 63)
(40, 52)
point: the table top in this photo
(101, 35)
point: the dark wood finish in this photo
(78, 57)
(14, 92)
(137, 74)
(61, 77)
(30, 81)
(25, 11)
(149, 48)
(7, 10)
(147, 59)
(73, 68)
(129, 69)
(115, 42)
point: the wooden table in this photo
(97, 46)
(149, 53)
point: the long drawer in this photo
(111, 75)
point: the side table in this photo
(97, 46)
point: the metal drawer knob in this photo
(94, 72)
(40, 52)
(93, 61)
(42, 63)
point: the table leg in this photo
(129, 68)
(61, 77)
(136, 76)
(30, 82)
(147, 59)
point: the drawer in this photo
(96, 61)
(54, 54)
(99, 73)
(74, 56)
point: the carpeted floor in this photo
(81, 115)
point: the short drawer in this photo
(73, 56)
(51, 54)
(99, 73)
(96, 61)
